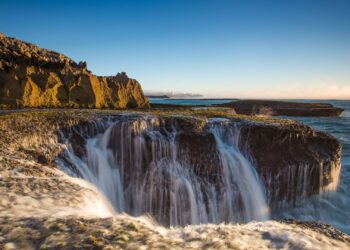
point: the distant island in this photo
(170, 94)
(158, 96)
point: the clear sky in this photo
(251, 49)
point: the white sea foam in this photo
(59, 196)
(345, 113)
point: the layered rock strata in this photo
(34, 77)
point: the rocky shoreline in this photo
(39, 210)
(265, 108)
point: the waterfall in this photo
(136, 164)
(238, 172)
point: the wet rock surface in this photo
(320, 227)
(304, 162)
(199, 151)
(40, 207)
(294, 161)
(34, 77)
(313, 157)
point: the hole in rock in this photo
(179, 171)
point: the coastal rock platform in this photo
(42, 207)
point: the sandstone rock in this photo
(34, 77)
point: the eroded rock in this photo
(34, 77)
(294, 161)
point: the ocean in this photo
(190, 102)
(331, 208)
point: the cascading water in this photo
(136, 164)
(240, 173)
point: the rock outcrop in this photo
(292, 160)
(41, 207)
(282, 108)
(34, 77)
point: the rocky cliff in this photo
(34, 77)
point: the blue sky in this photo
(251, 49)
